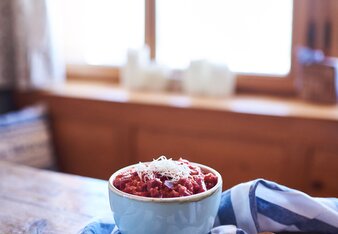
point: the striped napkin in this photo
(260, 206)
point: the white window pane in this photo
(99, 32)
(251, 36)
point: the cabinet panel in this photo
(88, 148)
(324, 173)
(333, 9)
(238, 161)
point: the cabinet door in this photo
(324, 173)
(237, 160)
(88, 148)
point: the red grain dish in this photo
(160, 186)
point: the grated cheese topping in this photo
(173, 170)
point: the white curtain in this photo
(6, 45)
(29, 53)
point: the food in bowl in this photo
(144, 214)
(165, 178)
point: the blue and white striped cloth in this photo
(260, 206)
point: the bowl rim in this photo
(191, 198)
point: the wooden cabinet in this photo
(323, 173)
(292, 144)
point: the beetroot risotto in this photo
(165, 178)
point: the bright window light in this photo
(250, 36)
(99, 32)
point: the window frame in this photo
(280, 85)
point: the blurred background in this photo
(248, 87)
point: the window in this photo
(249, 36)
(254, 37)
(99, 32)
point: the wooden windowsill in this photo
(240, 103)
(268, 85)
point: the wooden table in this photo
(39, 201)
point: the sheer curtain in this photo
(6, 45)
(29, 53)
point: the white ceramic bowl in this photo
(181, 215)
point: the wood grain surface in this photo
(39, 201)
(35, 201)
(243, 137)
